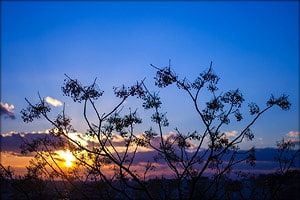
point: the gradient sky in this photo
(253, 45)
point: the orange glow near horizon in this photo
(68, 157)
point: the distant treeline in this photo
(248, 186)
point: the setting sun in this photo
(68, 157)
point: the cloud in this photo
(79, 138)
(230, 134)
(7, 110)
(12, 141)
(296, 142)
(293, 134)
(53, 102)
(294, 137)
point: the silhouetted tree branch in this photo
(187, 155)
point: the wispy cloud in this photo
(293, 134)
(7, 110)
(294, 137)
(230, 134)
(53, 102)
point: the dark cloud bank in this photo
(264, 157)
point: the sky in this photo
(254, 46)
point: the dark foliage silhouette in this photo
(187, 156)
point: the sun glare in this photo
(68, 158)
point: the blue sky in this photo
(254, 47)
